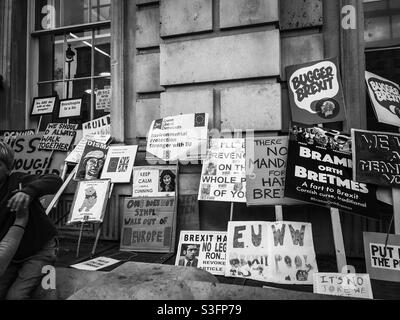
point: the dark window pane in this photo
(80, 63)
(47, 14)
(102, 53)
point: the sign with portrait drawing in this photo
(154, 181)
(119, 164)
(92, 161)
(90, 201)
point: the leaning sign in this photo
(385, 97)
(382, 256)
(315, 92)
(376, 157)
(58, 137)
(320, 171)
(279, 252)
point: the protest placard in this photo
(202, 249)
(266, 159)
(315, 92)
(92, 161)
(100, 126)
(343, 285)
(278, 252)
(28, 159)
(182, 138)
(382, 256)
(320, 171)
(43, 105)
(223, 177)
(376, 157)
(385, 98)
(95, 264)
(90, 201)
(154, 181)
(76, 154)
(119, 163)
(188, 212)
(70, 108)
(103, 99)
(58, 137)
(7, 135)
(149, 224)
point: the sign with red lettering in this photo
(382, 256)
(376, 157)
(385, 98)
(149, 224)
(278, 252)
(315, 92)
(320, 171)
(202, 249)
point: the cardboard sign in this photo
(92, 161)
(58, 137)
(28, 159)
(266, 171)
(90, 201)
(320, 171)
(343, 285)
(315, 92)
(43, 106)
(156, 181)
(278, 252)
(70, 108)
(382, 256)
(385, 98)
(76, 154)
(103, 99)
(223, 176)
(202, 249)
(149, 224)
(119, 163)
(100, 126)
(376, 157)
(8, 135)
(179, 138)
(95, 264)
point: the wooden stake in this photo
(338, 239)
(39, 124)
(231, 216)
(278, 213)
(79, 240)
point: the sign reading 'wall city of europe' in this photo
(223, 177)
(315, 92)
(279, 252)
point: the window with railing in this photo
(73, 53)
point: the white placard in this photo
(119, 164)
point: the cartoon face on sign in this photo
(314, 88)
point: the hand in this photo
(20, 201)
(22, 217)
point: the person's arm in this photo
(10, 243)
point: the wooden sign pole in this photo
(100, 227)
(39, 124)
(338, 239)
(231, 215)
(278, 213)
(79, 240)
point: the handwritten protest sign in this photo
(154, 181)
(278, 252)
(92, 161)
(70, 108)
(382, 256)
(266, 159)
(119, 164)
(95, 264)
(385, 97)
(29, 159)
(223, 176)
(202, 249)
(315, 92)
(376, 157)
(103, 99)
(149, 224)
(320, 171)
(43, 105)
(90, 201)
(58, 137)
(7, 135)
(344, 285)
(100, 126)
(182, 138)
(76, 154)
